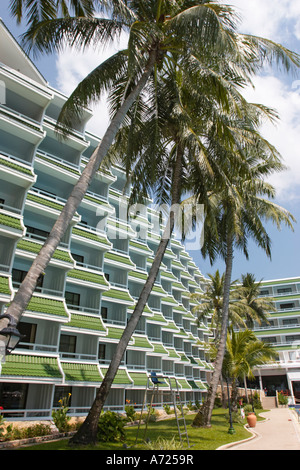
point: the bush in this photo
(248, 409)
(130, 411)
(60, 418)
(111, 427)
(167, 409)
(282, 399)
(164, 444)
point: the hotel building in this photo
(90, 287)
(283, 333)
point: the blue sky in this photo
(278, 20)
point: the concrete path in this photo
(280, 431)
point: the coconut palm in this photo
(39, 10)
(156, 151)
(233, 217)
(254, 307)
(156, 30)
(244, 353)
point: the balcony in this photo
(11, 223)
(16, 171)
(41, 201)
(25, 128)
(87, 276)
(90, 235)
(51, 164)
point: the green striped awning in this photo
(29, 366)
(76, 372)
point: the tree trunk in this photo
(26, 289)
(203, 417)
(234, 395)
(87, 432)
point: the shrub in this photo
(164, 444)
(248, 409)
(60, 418)
(282, 399)
(167, 408)
(130, 411)
(111, 427)
(35, 430)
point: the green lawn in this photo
(200, 439)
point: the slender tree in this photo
(244, 353)
(253, 307)
(156, 30)
(233, 217)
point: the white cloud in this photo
(284, 135)
(73, 66)
(268, 18)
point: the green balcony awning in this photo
(121, 378)
(4, 286)
(141, 342)
(139, 378)
(83, 275)
(47, 306)
(118, 295)
(23, 365)
(35, 247)
(184, 384)
(86, 322)
(76, 372)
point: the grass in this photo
(199, 438)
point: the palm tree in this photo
(159, 148)
(254, 307)
(234, 216)
(39, 10)
(156, 31)
(244, 352)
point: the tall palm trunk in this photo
(203, 417)
(87, 432)
(26, 289)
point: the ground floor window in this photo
(13, 396)
(62, 393)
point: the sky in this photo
(277, 20)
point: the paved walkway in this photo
(280, 431)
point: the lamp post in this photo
(11, 333)
(231, 429)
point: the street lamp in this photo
(13, 335)
(231, 429)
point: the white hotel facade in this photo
(81, 304)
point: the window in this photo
(284, 290)
(19, 275)
(61, 393)
(67, 344)
(264, 292)
(104, 313)
(101, 352)
(38, 232)
(106, 276)
(287, 306)
(13, 396)
(29, 331)
(78, 258)
(72, 298)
